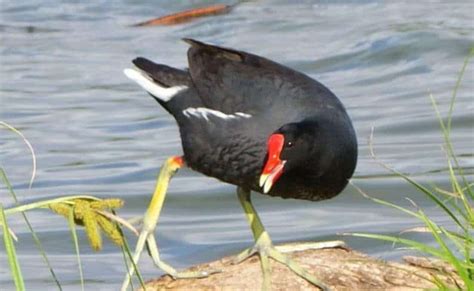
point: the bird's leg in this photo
(169, 168)
(265, 248)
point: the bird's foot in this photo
(147, 239)
(169, 270)
(173, 273)
(265, 249)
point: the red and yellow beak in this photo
(274, 166)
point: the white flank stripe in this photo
(202, 112)
(162, 93)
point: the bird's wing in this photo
(234, 81)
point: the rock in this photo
(338, 268)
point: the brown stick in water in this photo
(187, 15)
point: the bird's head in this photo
(293, 148)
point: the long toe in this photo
(296, 268)
(303, 246)
(282, 254)
(194, 274)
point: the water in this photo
(93, 131)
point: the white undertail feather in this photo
(202, 112)
(162, 93)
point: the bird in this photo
(254, 123)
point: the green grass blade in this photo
(11, 253)
(449, 146)
(30, 148)
(456, 87)
(36, 239)
(128, 254)
(459, 190)
(448, 255)
(459, 210)
(450, 115)
(125, 261)
(432, 196)
(462, 237)
(417, 185)
(459, 242)
(72, 227)
(46, 203)
(383, 202)
(126, 248)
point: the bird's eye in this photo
(289, 144)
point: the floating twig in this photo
(188, 15)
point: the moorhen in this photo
(254, 123)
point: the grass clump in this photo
(453, 246)
(96, 215)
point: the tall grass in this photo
(96, 215)
(453, 246)
(102, 221)
(3, 177)
(11, 252)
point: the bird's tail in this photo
(164, 75)
(163, 83)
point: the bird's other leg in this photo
(265, 248)
(169, 168)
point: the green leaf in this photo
(11, 253)
(72, 227)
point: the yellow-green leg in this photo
(169, 168)
(265, 248)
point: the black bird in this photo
(254, 123)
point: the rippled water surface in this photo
(93, 131)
